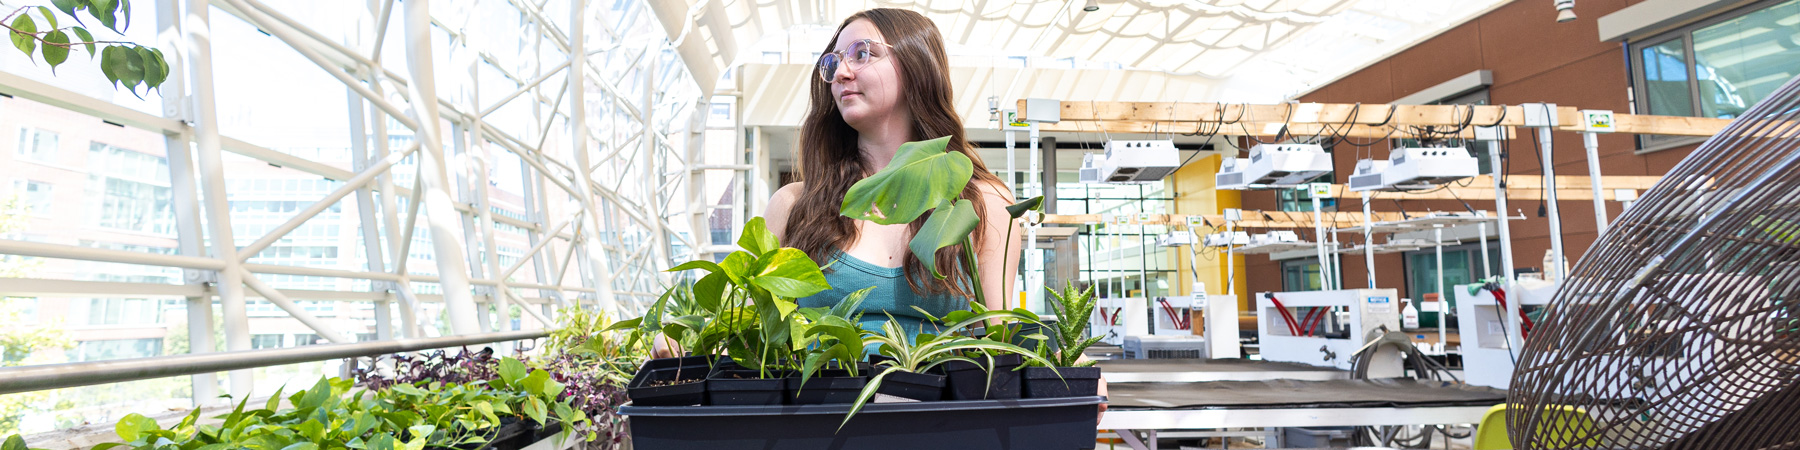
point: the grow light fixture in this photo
(1224, 239)
(1090, 168)
(1274, 165)
(1175, 239)
(1139, 161)
(1414, 168)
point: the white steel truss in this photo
(592, 101)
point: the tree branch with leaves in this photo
(122, 62)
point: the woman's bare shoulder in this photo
(780, 204)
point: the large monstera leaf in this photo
(948, 225)
(922, 176)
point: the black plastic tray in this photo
(1050, 423)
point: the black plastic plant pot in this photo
(964, 381)
(826, 387)
(1041, 382)
(923, 387)
(670, 382)
(1055, 423)
(745, 387)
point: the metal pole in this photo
(1486, 269)
(53, 376)
(453, 272)
(1592, 142)
(1438, 230)
(484, 157)
(187, 203)
(198, 29)
(1230, 261)
(1011, 171)
(1319, 235)
(1505, 229)
(1368, 239)
(1556, 245)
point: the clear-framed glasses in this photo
(859, 55)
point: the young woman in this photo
(884, 80)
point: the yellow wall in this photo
(1194, 194)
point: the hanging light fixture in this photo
(1565, 10)
(1091, 6)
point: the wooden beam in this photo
(1256, 120)
(1258, 129)
(1252, 219)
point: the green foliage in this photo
(1072, 308)
(590, 337)
(922, 176)
(833, 335)
(925, 351)
(332, 416)
(123, 63)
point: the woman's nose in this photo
(843, 72)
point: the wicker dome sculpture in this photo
(1680, 327)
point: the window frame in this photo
(1685, 33)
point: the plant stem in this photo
(973, 269)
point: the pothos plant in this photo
(39, 33)
(744, 306)
(334, 415)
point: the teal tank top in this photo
(892, 296)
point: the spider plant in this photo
(925, 351)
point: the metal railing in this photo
(56, 376)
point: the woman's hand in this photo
(1102, 393)
(664, 347)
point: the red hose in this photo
(1314, 322)
(1524, 321)
(1293, 327)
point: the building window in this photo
(1462, 265)
(36, 145)
(117, 349)
(1300, 198)
(1300, 275)
(122, 311)
(1718, 67)
(262, 341)
(35, 196)
(134, 188)
(308, 339)
(771, 57)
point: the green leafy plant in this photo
(925, 177)
(1072, 308)
(833, 335)
(925, 351)
(37, 32)
(333, 415)
(750, 298)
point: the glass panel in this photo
(1742, 60)
(1666, 80)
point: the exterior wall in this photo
(1194, 194)
(1533, 59)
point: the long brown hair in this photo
(830, 161)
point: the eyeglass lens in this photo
(859, 54)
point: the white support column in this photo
(481, 157)
(186, 200)
(594, 253)
(441, 214)
(1592, 142)
(1438, 232)
(365, 211)
(199, 33)
(1319, 236)
(1555, 271)
(653, 170)
(1368, 240)
(1501, 223)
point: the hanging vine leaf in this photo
(132, 72)
(109, 65)
(69, 7)
(87, 39)
(56, 54)
(103, 10)
(155, 70)
(21, 35)
(48, 17)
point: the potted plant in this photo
(676, 316)
(903, 365)
(1062, 372)
(831, 370)
(997, 376)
